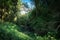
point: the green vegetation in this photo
(10, 31)
(40, 23)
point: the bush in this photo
(9, 31)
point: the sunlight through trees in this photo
(29, 20)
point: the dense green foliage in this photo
(8, 9)
(10, 31)
(40, 23)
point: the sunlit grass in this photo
(10, 28)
